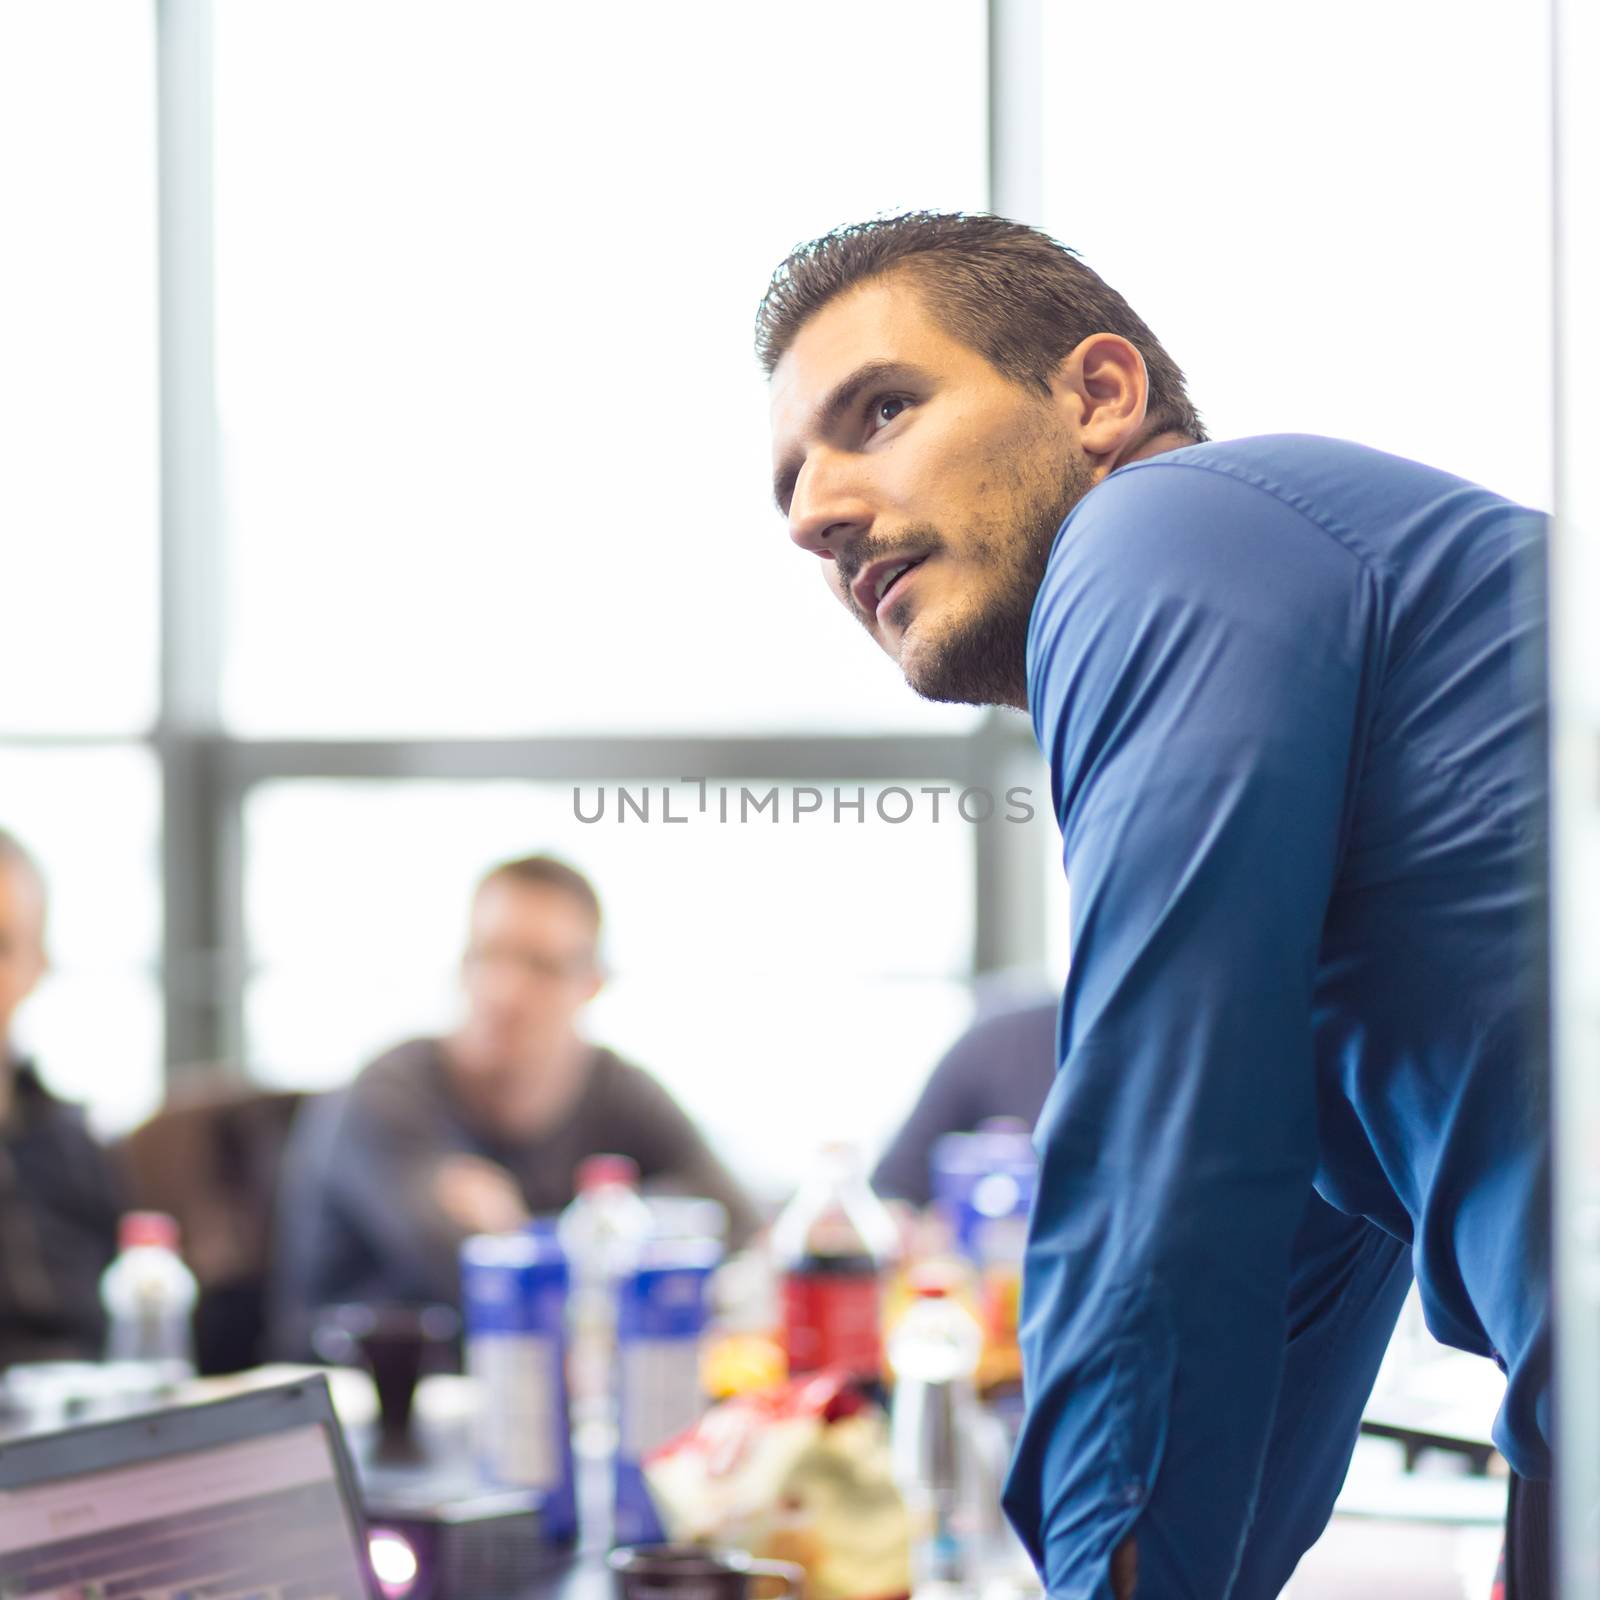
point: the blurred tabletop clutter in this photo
(565, 1357)
(838, 1401)
(828, 1402)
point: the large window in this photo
(494, 435)
(469, 291)
(790, 979)
(78, 496)
(494, 466)
(1361, 248)
(91, 817)
(78, 532)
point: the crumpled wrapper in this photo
(799, 1472)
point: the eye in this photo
(886, 408)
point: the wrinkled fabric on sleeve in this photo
(1201, 664)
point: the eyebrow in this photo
(840, 399)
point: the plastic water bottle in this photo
(603, 1233)
(149, 1296)
(942, 1445)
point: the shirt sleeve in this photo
(1198, 669)
(386, 1143)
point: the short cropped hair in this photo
(546, 872)
(1019, 298)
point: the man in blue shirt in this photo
(1293, 739)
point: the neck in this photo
(1158, 444)
(1013, 691)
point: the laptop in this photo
(249, 1498)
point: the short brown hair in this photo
(1019, 298)
(546, 872)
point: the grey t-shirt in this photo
(357, 1219)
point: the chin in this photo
(928, 675)
(970, 662)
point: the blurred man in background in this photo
(58, 1201)
(475, 1133)
(1002, 1066)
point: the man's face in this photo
(22, 961)
(529, 968)
(894, 443)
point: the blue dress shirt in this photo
(1287, 689)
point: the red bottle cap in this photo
(934, 1280)
(147, 1228)
(597, 1170)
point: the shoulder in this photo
(1205, 532)
(1004, 1029)
(410, 1074)
(618, 1080)
(1006, 1059)
(1207, 507)
(44, 1109)
(1317, 495)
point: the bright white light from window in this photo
(495, 435)
(788, 983)
(1335, 218)
(91, 817)
(78, 496)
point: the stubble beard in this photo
(980, 657)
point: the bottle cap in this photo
(934, 1280)
(597, 1170)
(147, 1228)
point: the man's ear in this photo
(1104, 385)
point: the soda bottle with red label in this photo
(835, 1244)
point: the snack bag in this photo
(798, 1472)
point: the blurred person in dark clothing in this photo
(1002, 1066)
(439, 1139)
(58, 1199)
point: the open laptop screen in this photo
(262, 1518)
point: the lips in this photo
(890, 579)
(878, 583)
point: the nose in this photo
(828, 508)
(496, 988)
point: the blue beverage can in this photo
(983, 1186)
(513, 1300)
(663, 1308)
